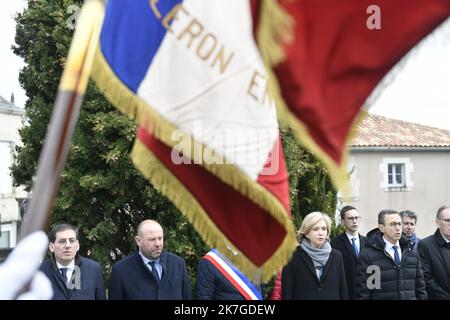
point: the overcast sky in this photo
(420, 92)
(10, 63)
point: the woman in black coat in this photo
(316, 271)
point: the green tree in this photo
(101, 192)
(310, 186)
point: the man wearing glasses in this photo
(73, 277)
(388, 267)
(434, 254)
(350, 243)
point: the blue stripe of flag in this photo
(130, 37)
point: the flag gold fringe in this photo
(127, 102)
(275, 29)
(167, 183)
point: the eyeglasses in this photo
(62, 242)
(353, 218)
(446, 221)
(396, 224)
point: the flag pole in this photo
(66, 109)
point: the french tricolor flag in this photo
(191, 75)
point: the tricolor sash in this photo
(236, 277)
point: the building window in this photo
(396, 174)
(8, 233)
(4, 240)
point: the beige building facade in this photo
(10, 122)
(401, 166)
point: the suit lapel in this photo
(348, 246)
(444, 253)
(70, 292)
(61, 282)
(362, 243)
(163, 262)
(326, 267)
(309, 263)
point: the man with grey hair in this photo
(409, 220)
(388, 268)
(434, 252)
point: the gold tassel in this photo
(274, 30)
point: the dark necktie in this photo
(154, 271)
(396, 255)
(64, 274)
(355, 247)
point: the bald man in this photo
(150, 273)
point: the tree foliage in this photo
(310, 186)
(101, 192)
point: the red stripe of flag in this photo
(248, 226)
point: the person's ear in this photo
(51, 247)
(138, 240)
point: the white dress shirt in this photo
(391, 251)
(70, 269)
(157, 264)
(350, 237)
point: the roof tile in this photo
(378, 131)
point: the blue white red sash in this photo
(236, 277)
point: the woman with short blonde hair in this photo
(316, 271)
(310, 220)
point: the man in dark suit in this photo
(73, 277)
(349, 244)
(150, 273)
(388, 268)
(434, 252)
